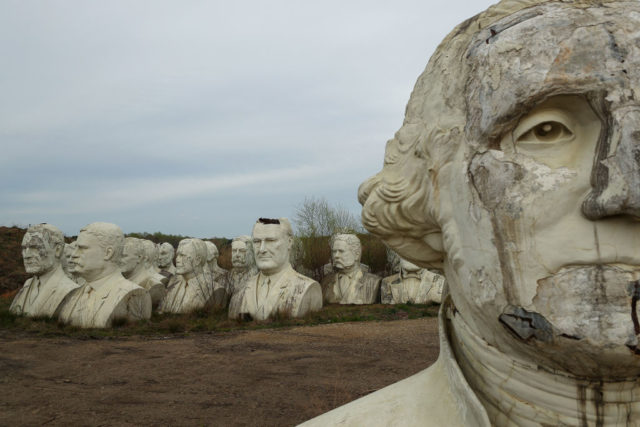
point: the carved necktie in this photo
(34, 290)
(263, 294)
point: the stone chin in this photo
(338, 266)
(265, 263)
(35, 269)
(584, 320)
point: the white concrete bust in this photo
(150, 260)
(219, 273)
(349, 284)
(165, 260)
(242, 261)
(277, 289)
(69, 266)
(517, 170)
(42, 253)
(106, 296)
(412, 284)
(191, 288)
(135, 269)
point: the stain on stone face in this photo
(590, 302)
(494, 179)
(526, 324)
(616, 174)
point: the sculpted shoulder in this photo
(124, 286)
(370, 278)
(424, 399)
(391, 279)
(302, 280)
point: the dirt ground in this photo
(258, 377)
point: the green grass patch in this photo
(207, 321)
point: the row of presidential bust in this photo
(104, 276)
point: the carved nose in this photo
(615, 178)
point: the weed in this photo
(210, 320)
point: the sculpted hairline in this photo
(51, 234)
(107, 235)
(284, 225)
(351, 240)
(135, 244)
(199, 248)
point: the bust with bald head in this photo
(517, 171)
(277, 289)
(106, 295)
(42, 252)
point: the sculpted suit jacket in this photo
(185, 296)
(290, 293)
(363, 289)
(97, 304)
(40, 297)
(425, 288)
(152, 283)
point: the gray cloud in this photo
(132, 110)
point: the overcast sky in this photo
(198, 117)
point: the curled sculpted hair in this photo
(351, 240)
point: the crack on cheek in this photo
(527, 325)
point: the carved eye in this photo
(546, 132)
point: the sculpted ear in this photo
(58, 250)
(108, 253)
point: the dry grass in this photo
(209, 321)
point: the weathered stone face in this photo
(186, 258)
(166, 253)
(37, 255)
(518, 162)
(239, 254)
(554, 160)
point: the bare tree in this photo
(316, 220)
(316, 217)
